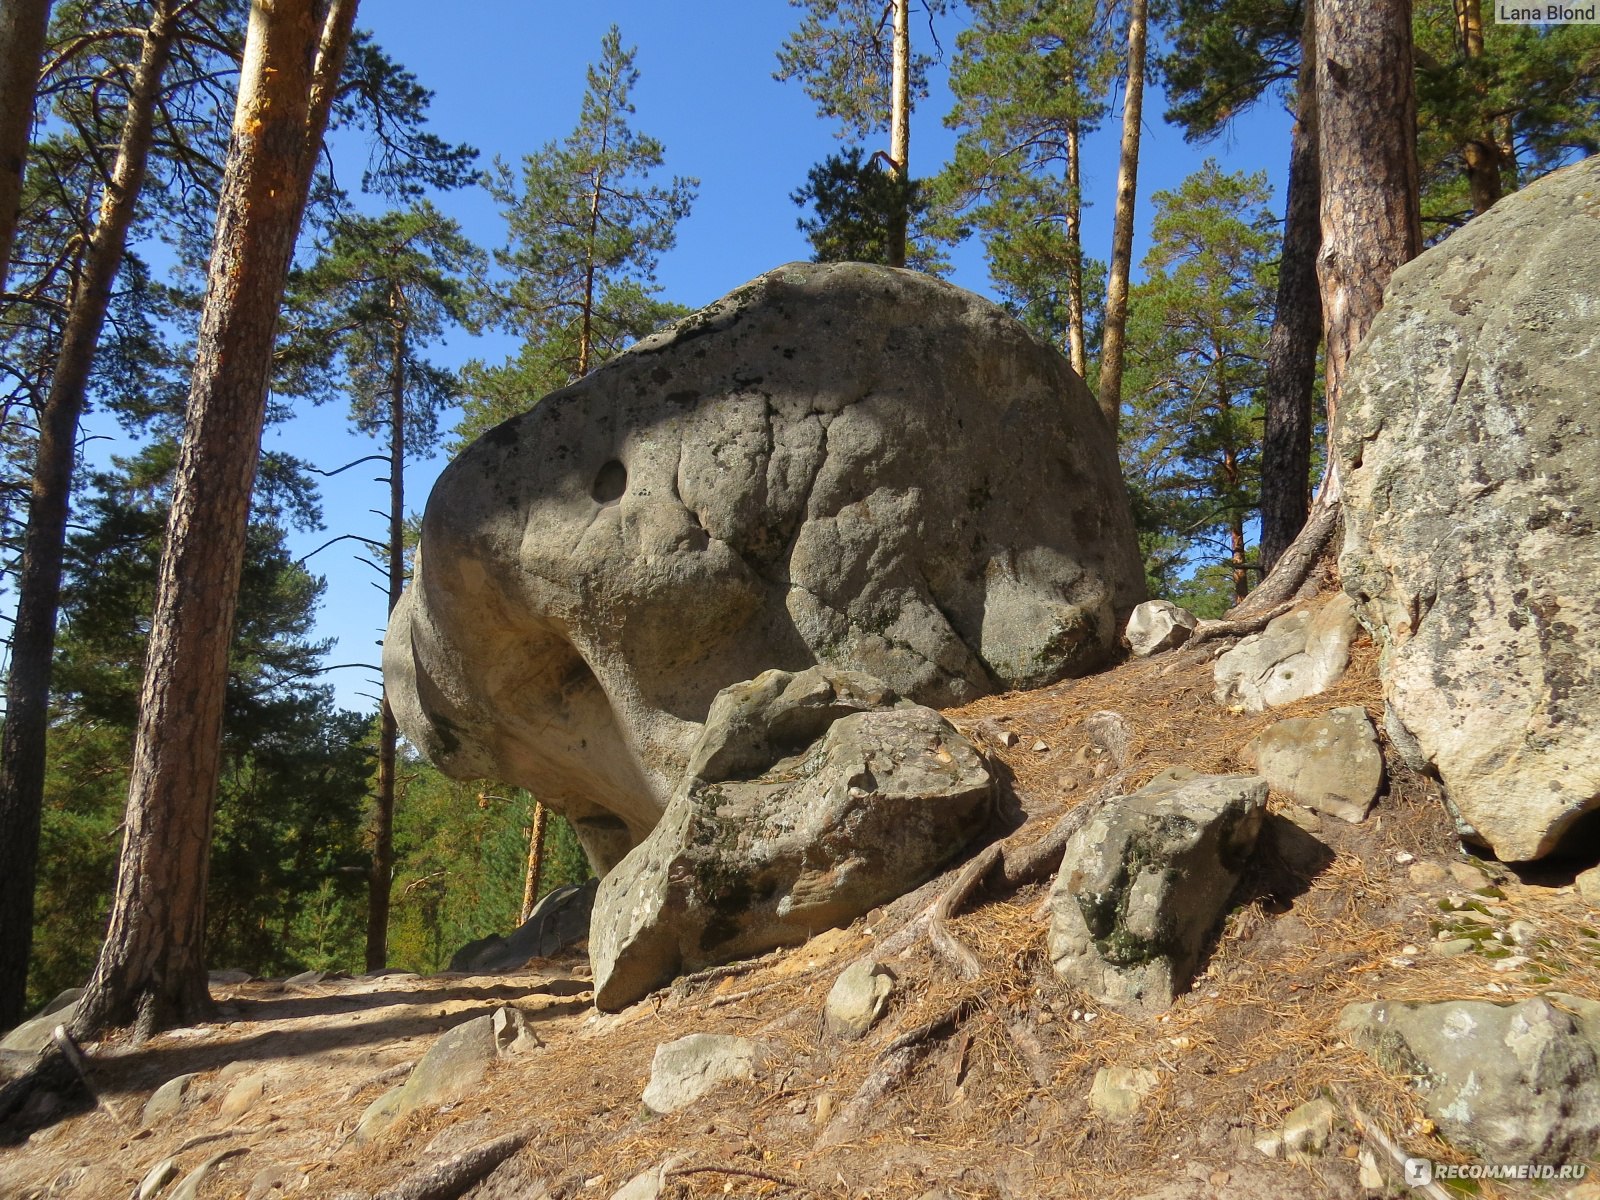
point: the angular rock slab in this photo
(1517, 1083)
(835, 464)
(683, 1071)
(812, 806)
(1144, 882)
(1299, 654)
(1158, 625)
(1466, 446)
(1329, 763)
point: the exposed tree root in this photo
(894, 1064)
(1208, 630)
(450, 1178)
(1297, 569)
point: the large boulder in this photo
(1517, 1082)
(1145, 881)
(810, 800)
(836, 464)
(1466, 446)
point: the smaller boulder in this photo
(1588, 884)
(811, 799)
(1158, 625)
(451, 1070)
(168, 1099)
(857, 999)
(685, 1070)
(559, 920)
(1297, 655)
(33, 1035)
(1145, 880)
(1516, 1083)
(1329, 763)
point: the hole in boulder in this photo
(610, 483)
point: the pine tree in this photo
(854, 59)
(856, 203)
(587, 224)
(151, 970)
(1030, 79)
(385, 288)
(294, 770)
(1198, 331)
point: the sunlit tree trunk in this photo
(900, 129)
(530, 881)
(151, 971)
(1113, 347)
(1076, 347)
(1296, 329)
(1371, 216)
(22, 29)
(1371, 220)
(33, 638)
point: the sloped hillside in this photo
(980, 1079)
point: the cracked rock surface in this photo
(836, 464)
(1466, 446)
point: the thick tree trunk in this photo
(151, 970)
(1367, 116)
(22, 29)
(1113, 347)
(22, 747)
(900, 129)
(381, 878)
(1076, 346)
(1296, 329)
(1371, 222)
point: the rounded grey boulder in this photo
(836, 464)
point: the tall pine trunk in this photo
(900, 132)
(1076, 342)
(22, 29)
(1296, 329)
(1371, 218)
(33, 639)
(151, 971)
(381, 878)
(1113, 348)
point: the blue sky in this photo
(508, 76)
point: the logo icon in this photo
(1419, 1172)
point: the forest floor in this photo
(989, 1096)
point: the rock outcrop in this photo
(809, 800)
(1144, 882)
(1518, 1083)
(1466, 446)
(1299, 654)
(836, 464)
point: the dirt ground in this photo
(989, 1095)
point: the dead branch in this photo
(453, 1176)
